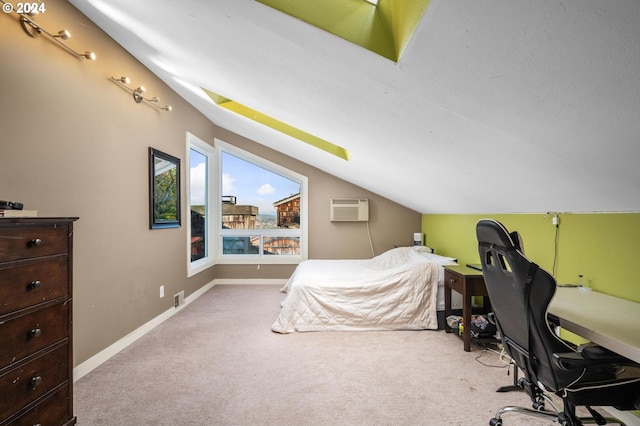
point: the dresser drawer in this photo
(53, 411)
(24, 335)
(34, 241)
(31, 381)
(32, 283)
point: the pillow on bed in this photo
(435, 258)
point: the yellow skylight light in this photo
(280, 126)
(381, 26)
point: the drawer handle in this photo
(34, 285)
(36, 332)
(36, 381)
(36, 242)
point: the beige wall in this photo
(72, 143)
(389, 223)
(75, 144)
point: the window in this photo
(262, 209)
(200, 157)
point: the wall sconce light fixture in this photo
(137, 93)
(32, 28)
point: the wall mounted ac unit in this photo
(349, 209)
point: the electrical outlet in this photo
(161, 291)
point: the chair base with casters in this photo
(538, 409)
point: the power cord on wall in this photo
(556, 222)
(370, 241)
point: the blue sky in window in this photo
(198, 176)
(249, 183)
(254, 185)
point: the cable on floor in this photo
(504, 363)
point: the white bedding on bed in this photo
(396, 290)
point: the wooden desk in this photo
(469, 283)
(609, 321)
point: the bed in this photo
(397, 290)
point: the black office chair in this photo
(520, 293)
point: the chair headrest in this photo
(492, 232)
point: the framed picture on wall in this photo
(164, 190)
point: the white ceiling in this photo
(496, 106)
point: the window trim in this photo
(221, 147)
(209, 151)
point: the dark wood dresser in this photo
(36, 356)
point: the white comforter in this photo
(395, 290)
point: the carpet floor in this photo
(217, 362)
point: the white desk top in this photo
(606, 320)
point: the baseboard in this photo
(244, 281)
(95, 361)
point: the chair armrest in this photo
(589, 355)
(571, 361)
(593, 351)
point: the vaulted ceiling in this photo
(490, 106)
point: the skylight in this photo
(280, 126)
(384, 29)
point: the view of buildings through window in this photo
(260, 209)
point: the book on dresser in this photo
(36, 356)
(18, 213)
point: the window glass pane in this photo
(241, 245)
(198, 203)
(262, 209)
(281, 246)
(256, 198)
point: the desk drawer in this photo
(30, 333)
(32, 283)
(454, 281)
(474, 284)
(35, 241)
(24, 385)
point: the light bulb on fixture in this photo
(156, 103)
(123, 80)
(63, 34)
(138, 93)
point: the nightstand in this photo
(469, 283)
